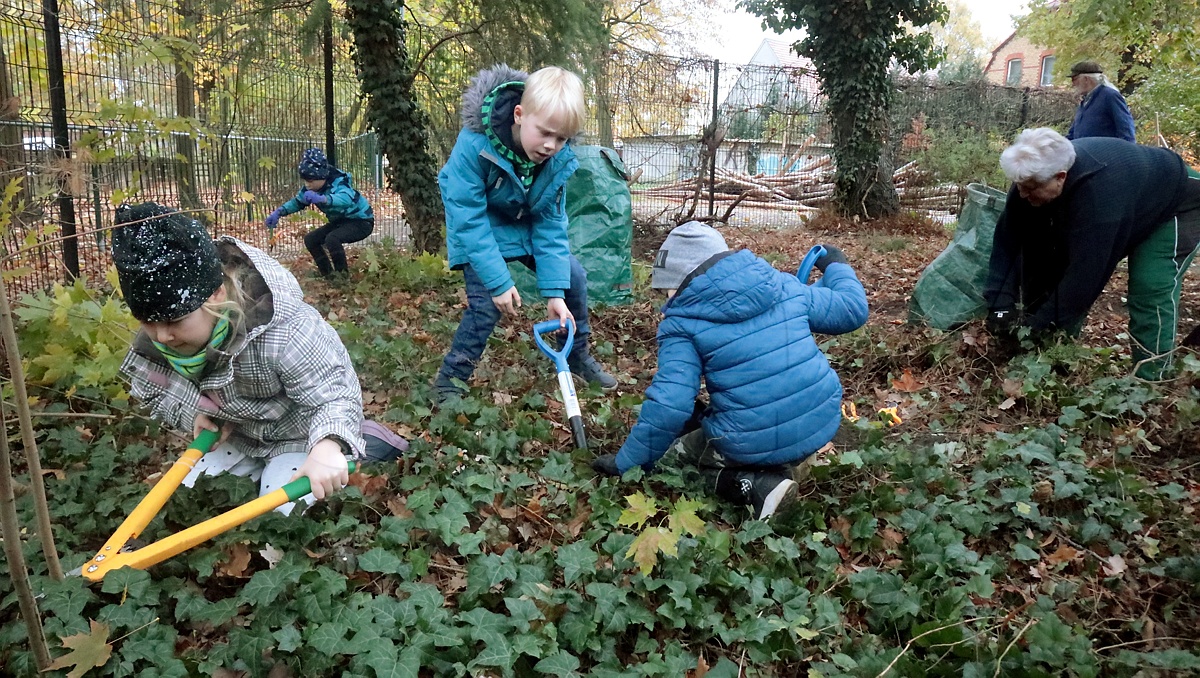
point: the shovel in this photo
(566, 386)
(113, 554)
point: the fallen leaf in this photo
(398, 507)
(1064, 554)
(236, 561)
(907, 383)
(1012, 388)
(502, 398)
(272, 555)
(891, 538)
(1114, 565)
(88, 651)
(701, 669)
(369, 485)
(1008, 402)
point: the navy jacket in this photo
(746, 328)
(1056, 259)
(1102, 114)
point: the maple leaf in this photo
(644, 550)
(88, 651)
(907, 383)
(684, 518)
(641, 508)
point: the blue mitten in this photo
(273, 218)
(314, 198)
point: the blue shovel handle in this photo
(810, 260)
(565, 386)
(558, 356)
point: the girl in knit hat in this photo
(227, 343)
(330, 190)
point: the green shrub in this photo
(75, 337)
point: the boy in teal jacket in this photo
(504, 189)
(331, 191)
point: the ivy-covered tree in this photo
(381, 57)
(852, 43)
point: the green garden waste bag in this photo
(950, 289)
(600, 227)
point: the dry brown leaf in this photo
(1008, 402)
(891, 538)
(1012, 388)
(237, 559)
(907, 383)
(398, 507)
(1064, 554)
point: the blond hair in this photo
(557, 93)
(236, 299)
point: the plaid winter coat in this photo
(285, 382)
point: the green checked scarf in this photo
(192, 365)
(523, 166)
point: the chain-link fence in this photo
(211, 110)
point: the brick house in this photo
(1019, 63)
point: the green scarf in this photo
(523, 166)
(193, 365)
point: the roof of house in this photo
(785, 56)
(996, 51)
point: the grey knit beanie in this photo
(686, 247)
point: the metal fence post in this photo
(62, 140)
(330, 132)
(712, 160)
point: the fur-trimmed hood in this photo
(481, 85)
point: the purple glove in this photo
(314, 198)
(273, 218)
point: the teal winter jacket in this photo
(491, 217)
(343, 201)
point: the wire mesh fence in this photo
(211, 110)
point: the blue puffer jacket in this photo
(490, 215)
(747, 329)
(343, 201)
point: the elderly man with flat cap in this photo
(1102, 111)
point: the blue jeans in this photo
(481, 317)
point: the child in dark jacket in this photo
(504, 188)
(331, 190)
(746, 329)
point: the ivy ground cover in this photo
(1032, 514)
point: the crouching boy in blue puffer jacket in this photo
(746, 328)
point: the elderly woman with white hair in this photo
(1102, 110)
(1076, 208)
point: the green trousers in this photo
(1156, 269)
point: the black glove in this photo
(832, 256)
(1003, 321)
(606, 464)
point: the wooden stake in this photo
(10, 528)
(16, 370)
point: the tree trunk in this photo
(381, 58)
(863, 182)
(185, 107)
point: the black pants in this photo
(331, 237)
